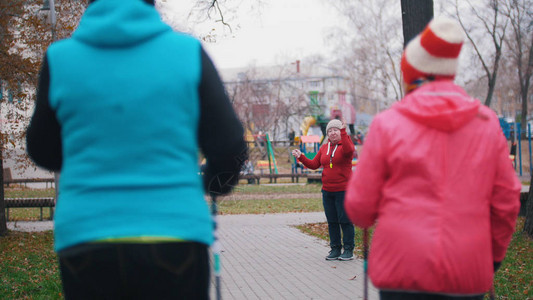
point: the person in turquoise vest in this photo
(123, 109)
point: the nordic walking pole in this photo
(216, 247)
(365, 263)
(492, 293)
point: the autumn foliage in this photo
(25, 33)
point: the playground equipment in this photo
(309, 146)
(319, 116)
(263, 140)
(510, 129)
(249, 138)
(317, 112)
(306, 124)
(513, 131)
(310, 143)
(355, 159)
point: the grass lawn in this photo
(269, 206)
(29, 269)
(515, 277)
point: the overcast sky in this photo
(279, 31)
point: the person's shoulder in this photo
(486, 114)
(181, 43)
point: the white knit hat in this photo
(335, 123)
(434, 52)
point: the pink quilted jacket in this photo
(435, 177)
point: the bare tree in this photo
(208, 20)
(266, 101)
(487, 21)
(370, 52)
(506, 98)
(520, 43)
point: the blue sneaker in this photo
(334, 254)
(347, 254)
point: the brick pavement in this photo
(265, 257)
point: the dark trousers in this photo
(385, 295)
(337, 219)
(175, 270)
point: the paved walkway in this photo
(265, 257)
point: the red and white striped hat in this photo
(434, 52)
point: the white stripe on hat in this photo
(447, 30)
(421, 60)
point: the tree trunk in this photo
(492, 85)
(523, 113)
(3, 220)
(416, 14)
(528, 226)
(492, 78)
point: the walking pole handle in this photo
(492, 293)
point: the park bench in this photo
(314, 178)
(31, 202)
(274, 177)
(251, 178)
(25, 181)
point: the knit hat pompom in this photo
(335, 123)
(434, 52)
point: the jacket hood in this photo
(439, 104)
(119, 23)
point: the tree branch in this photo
(469, 37)
(216, 6)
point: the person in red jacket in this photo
(435, 177)
(335, 157)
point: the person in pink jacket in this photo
(436, 179)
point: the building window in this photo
(314, 84)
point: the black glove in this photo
(497, 265)
(221, 183)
